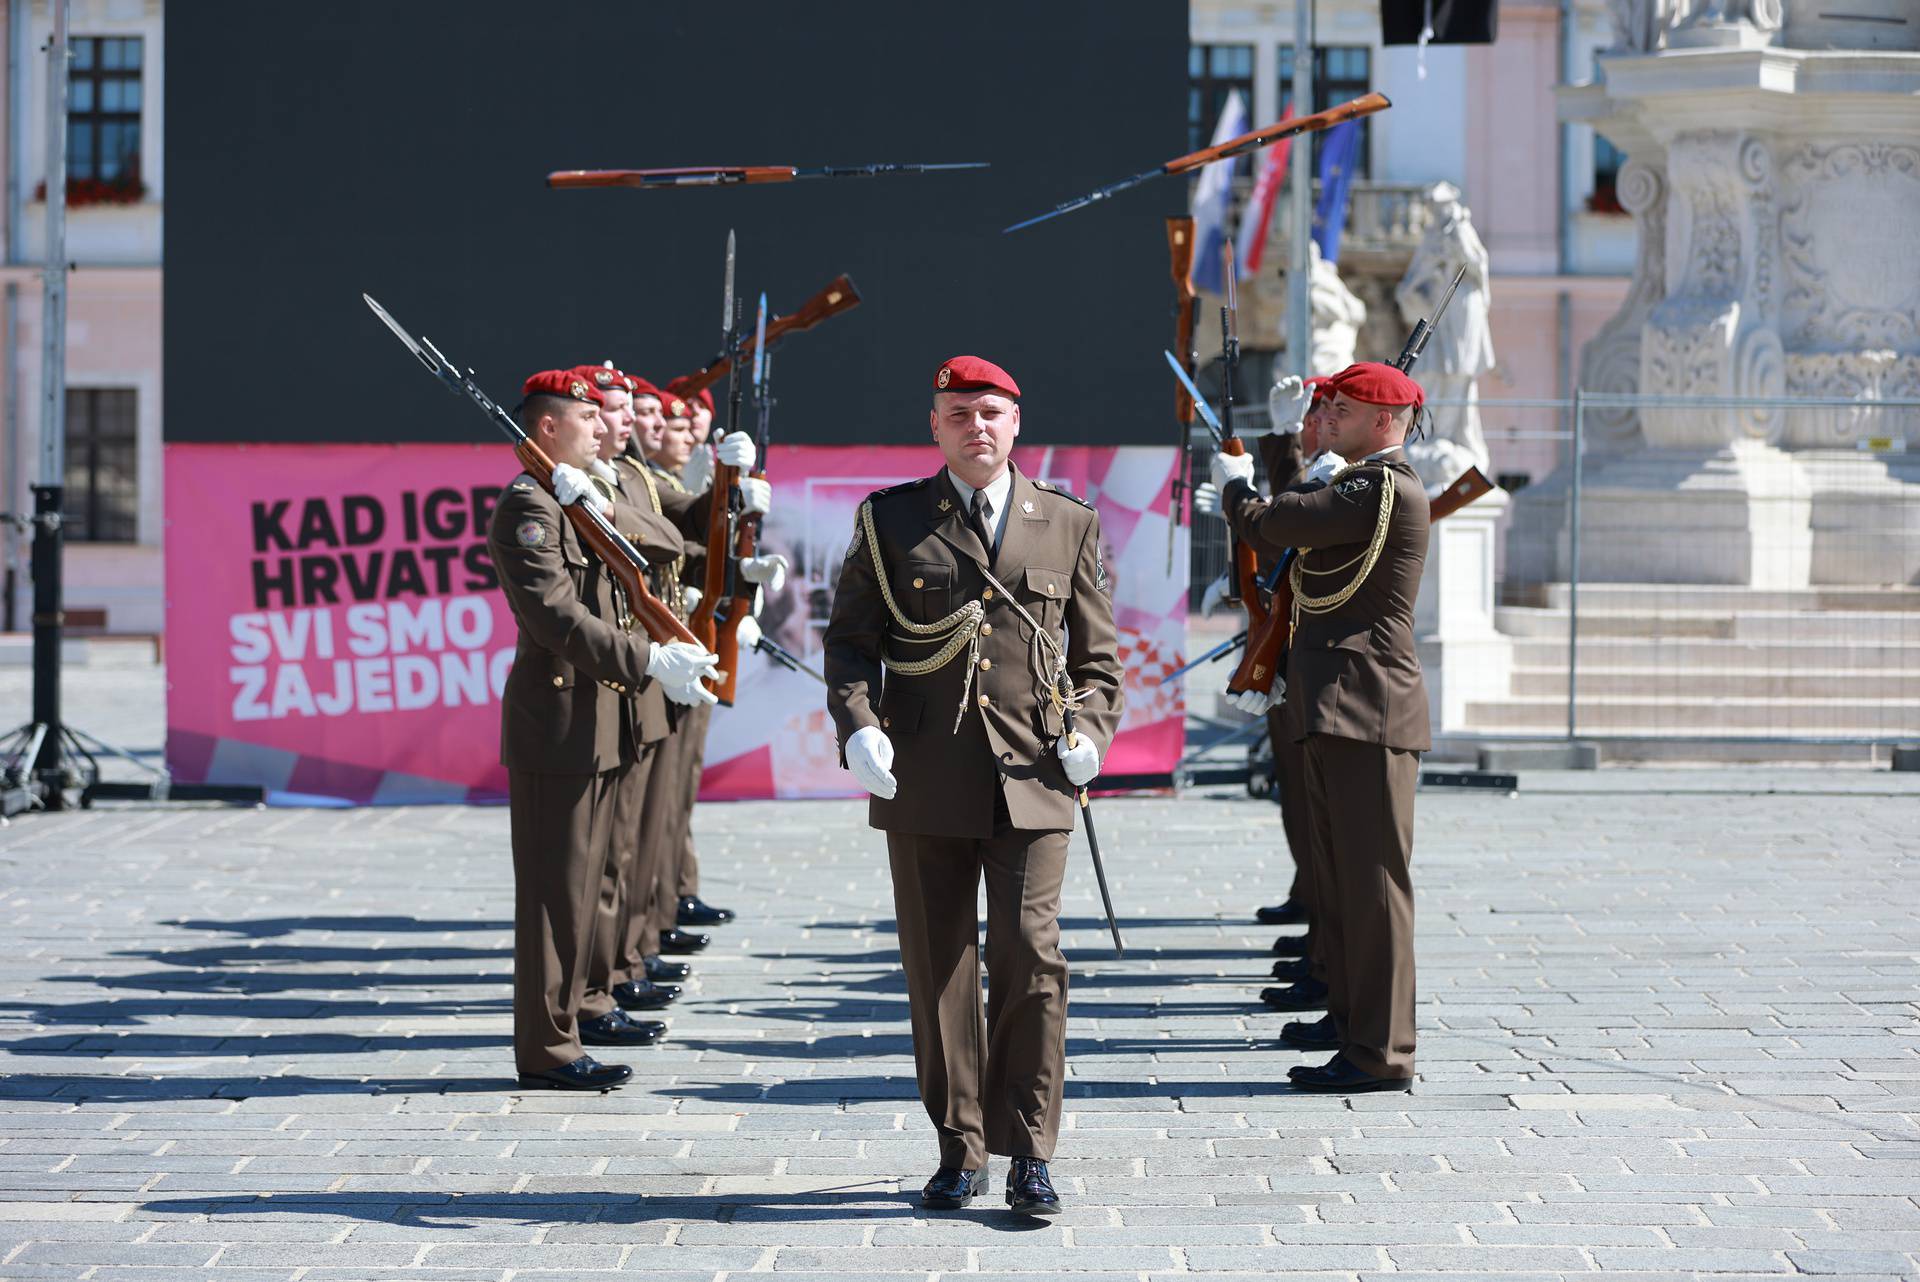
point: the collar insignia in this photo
(946, 505)
(1026, 505)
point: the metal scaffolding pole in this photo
(1300, 174)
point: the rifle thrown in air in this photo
(840, 295)
(732, 175)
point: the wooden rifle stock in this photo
(713, 582)
(1260, 661)
(1180, 254)
(1365, 105)
(692, 176)
(837, 297)
(605, 543)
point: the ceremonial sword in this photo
(1065, 687)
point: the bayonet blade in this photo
(1199, 401)
(1233, 293)
(760, 345)
(726, 321)
(420, 353)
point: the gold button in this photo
(559, 681)
(984, 701)
(986, 629)
(1049, 589)
(985, 664)
(987, 595)
(886, 723)
(919, 583)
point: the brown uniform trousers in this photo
(1357, 706)
(569, 734)
(984, 798)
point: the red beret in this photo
(1321, 385)
(642, 387)
(604, 377)
(1376, 384)
(564, 383)
(678, 387)
(971, 374)
(676, 406)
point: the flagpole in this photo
(1299, 317)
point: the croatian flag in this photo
(1213, 199)
(1257, 217)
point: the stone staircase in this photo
(1697, 663)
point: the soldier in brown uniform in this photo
(1356, 703)
(568, 734)
(965, 603)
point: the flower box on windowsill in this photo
(83, 193)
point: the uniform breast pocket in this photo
(1043, 592)
(924, 589)
(899, 711)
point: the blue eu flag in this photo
(1339, 155)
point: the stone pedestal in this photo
(1462, 656)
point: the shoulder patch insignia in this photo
(1353, 485)
(1100, 579)
(530, 534)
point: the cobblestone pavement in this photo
(1668, 1030)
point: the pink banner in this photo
(335, 633)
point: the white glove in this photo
(1230, 467)
(1252, 702)
(697, 472)
(1211, 599)
(869, 756)
(690, 599)
(736, 450)
(571, 485)
(770, 572)
(1081, 761)
(748, 633)
(679, 667)
(1324, 467)
(1206, 499)
(756, 495)
(1287, 404)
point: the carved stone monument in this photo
(1338, 315)
(1461, 347)
(1773, 173)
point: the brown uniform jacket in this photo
(1353, 672)
(635, 517)
(561, 712)
(1049, 560)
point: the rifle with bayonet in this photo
(622, 559)
(1186, 303)
(723, 515)
(839, 296)
(746, 525)
(1365, 105)
(732, 175)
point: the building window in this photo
(1213, 72)
(1341, 73)
(103, 112)
(1607, 160)
(103, 471)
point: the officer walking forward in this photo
(1356, 703)
(963, 597)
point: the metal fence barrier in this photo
(1762, 593)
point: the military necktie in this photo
(980, 515)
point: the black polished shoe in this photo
(584, 1074)
(1029, 1190)
(1289, 969)
(1290, 946)
(644, 994)
(659, 970)
(695, 911)
(1287, 914)
(1315, 1035)
(952, 1187)
(617, 1028)
(682, 941)
(1307, 994)
(1337, 1076)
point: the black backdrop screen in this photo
(399, 147)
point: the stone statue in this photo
(1461, 348)
(1337, 313)
(1640, 26)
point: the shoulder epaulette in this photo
(902, 488)
(1060, 493)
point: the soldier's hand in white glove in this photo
(571, 485)
(1252, 702)
(870, 758)
(1227, 468)
(1287, 404)
(679, 667)
(1206, 499)
(690, 598)
(1214, 596)
(755, 495)
(748, 633)
(697, 472)
(770, 571)
(736, 450)
(1323, 468)
(1081, 761)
